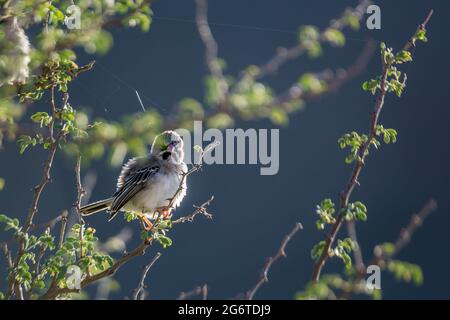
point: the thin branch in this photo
(19, 291)
(359, 164)
(411, 44)
(63, 228)
(80, 193)
(7, 254)
(201, 19)
(139, 292)
(406, 233)
(88, 183)
(333, 80)
(271, 260)
(197, 291)
(201, 209)
(380, 257)
(49, 224)
(47, 18)
(343, 76)
(284, 55)
(47, 167)
(357, 251)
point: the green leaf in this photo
(405, 271)
(24, 141)
(325, 211)
(421, 35)
(130, 216)
(309, 37)
(278, 116)
(43, 118)
(10, 223)
(371, 85)
(311, 83)
(342, 250)
(220, 121)
(317, 250)
(308, 33)
(387, 248)
(164, 240)
(335, 37)
(403, 56)
(198, 148)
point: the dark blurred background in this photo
(252, 213)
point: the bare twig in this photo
(357, 252)
(63, 228)
(49, 224)
(271, 260)
(407, 232)
(7, 254)
(201, 19)
(88, 182)
(40, 187)
(80, 193)
(359, 164)
(139, 292)
(19, 291)
(197, 291)
(201, 209)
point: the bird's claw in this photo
(146, 225)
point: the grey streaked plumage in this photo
(148, 183)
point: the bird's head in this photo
(168, 146)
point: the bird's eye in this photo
(166, 155)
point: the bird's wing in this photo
(132, 180)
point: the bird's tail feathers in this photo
(96, 207)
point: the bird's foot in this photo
(146, 225)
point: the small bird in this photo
(148, 185)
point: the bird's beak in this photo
(171, 146)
